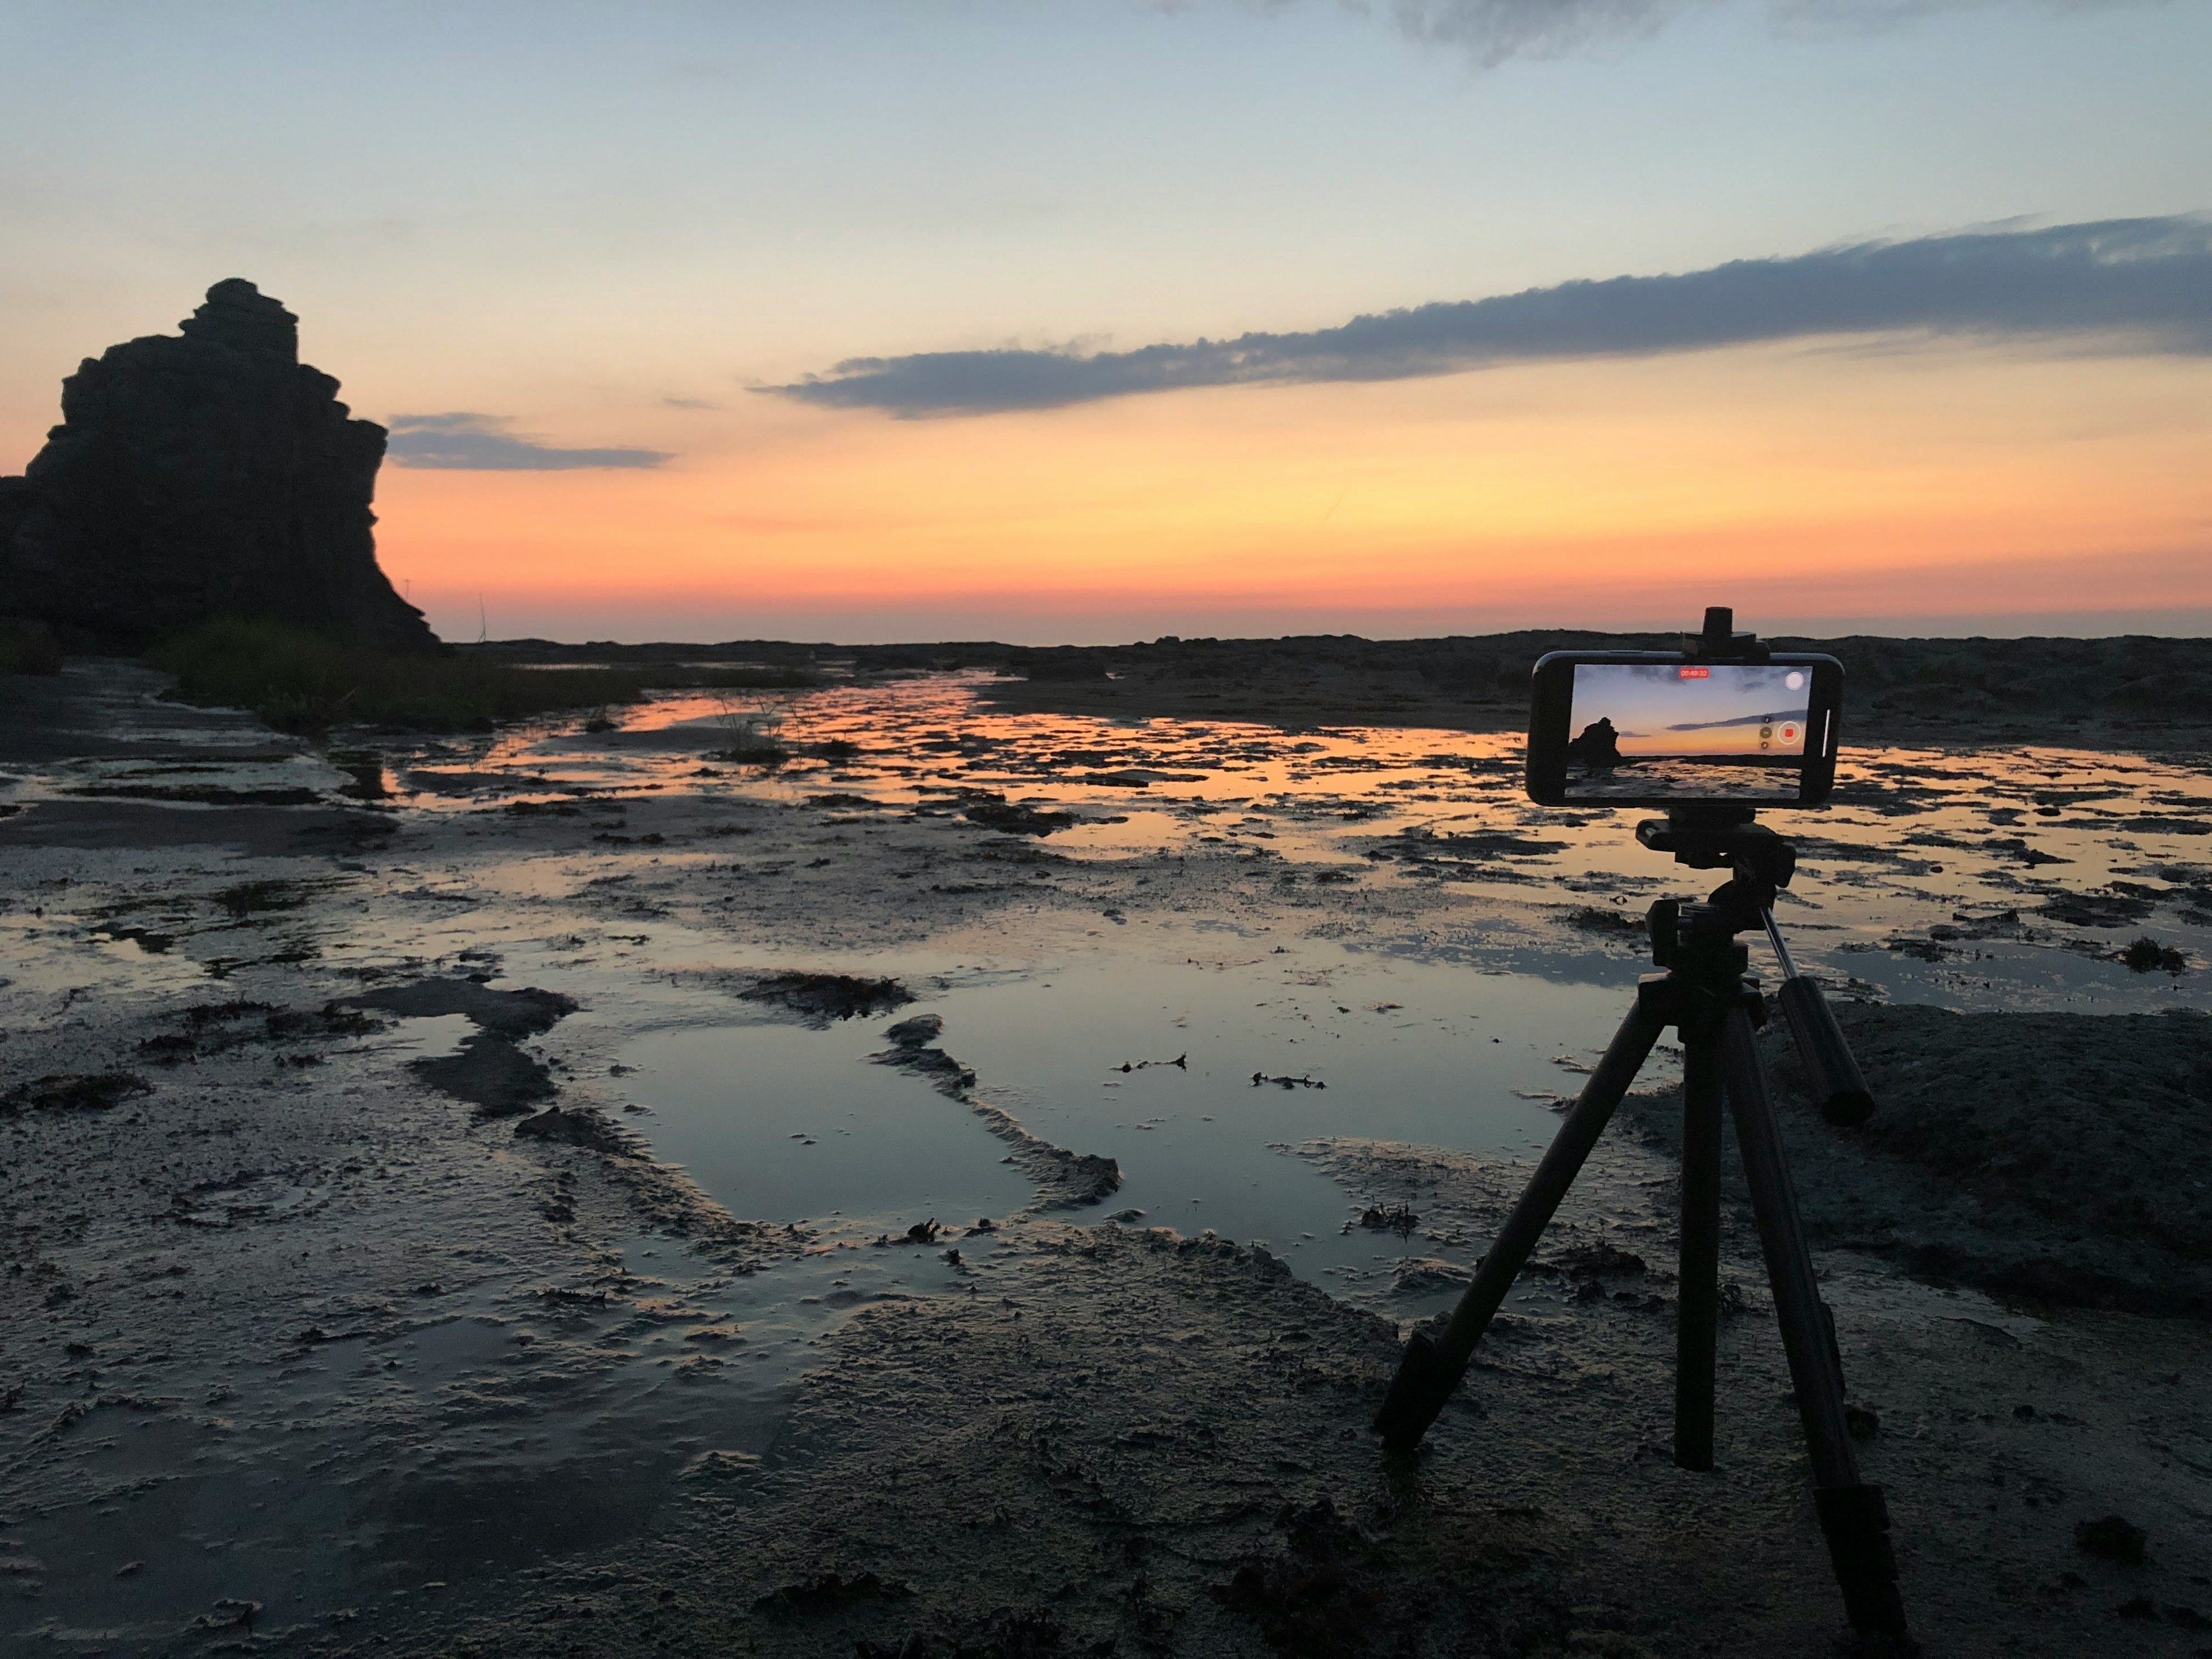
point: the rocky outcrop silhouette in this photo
(1599, 745)
(204, 474)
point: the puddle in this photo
(783, 1124)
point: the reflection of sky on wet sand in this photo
(788, 1124)
(1990, 848)
(2003, 878)
(1955, 879)
(1914, 839)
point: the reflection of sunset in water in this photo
(2001, 876)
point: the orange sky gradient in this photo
(1807, 483)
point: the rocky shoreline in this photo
(320, 1345)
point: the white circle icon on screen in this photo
(1794, 680)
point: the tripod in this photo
(1704, 994)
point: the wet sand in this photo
(358, 1309)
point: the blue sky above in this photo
(760, 190)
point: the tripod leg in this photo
(1698, 1305)
(1852, 1515)
(1432, 1368)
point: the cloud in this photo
(2129, 284)
(481, 443)
(1491, 32)
(1740, 719)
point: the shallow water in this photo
(1991, 878)
(785, 1124)
(1915, 840)
(1464, 1035)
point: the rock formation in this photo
(1598, 746)
(203, 475)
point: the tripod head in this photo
(1722, 835)
(1699, 939)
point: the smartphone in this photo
(1652, 728)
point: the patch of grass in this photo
(300, 681)
(2148, 956)
(753, 741)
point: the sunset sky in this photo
(869, 321)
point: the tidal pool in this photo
(1972, 880)
(1081, 1048)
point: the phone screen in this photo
(1698, 730)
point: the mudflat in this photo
(962, 1191)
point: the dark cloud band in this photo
(2138, 284)
(481, 443)
(1490, 32)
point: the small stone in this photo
(2112, 1537)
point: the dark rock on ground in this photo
(489, 1073)
(520, 1014)
(2096, 909)
(210, 1028)
(2114, 1537)
(912, 1052)
(1399, 1219)
(1601, 1258)
(256, 831)
(1017, 820)
(1601, 919)
(820, 998)
(2147, 956)
(583, 1128)
(72, 1091)
(204, 474)
(829, 1589)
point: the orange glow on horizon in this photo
(1977, 480)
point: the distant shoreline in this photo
(2137, 693)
